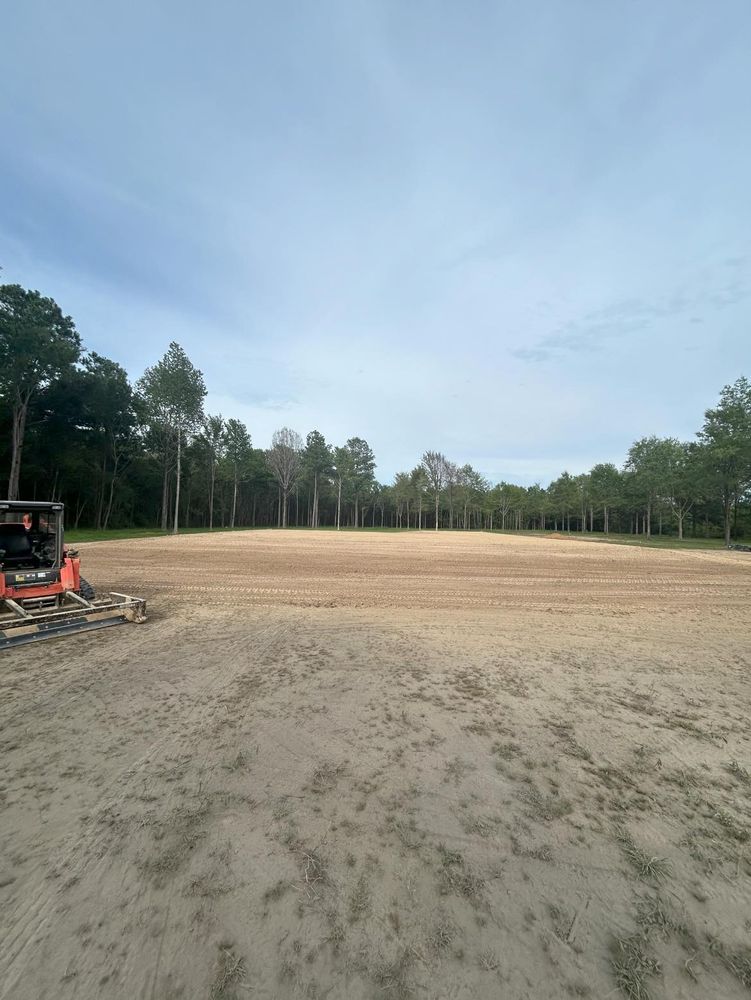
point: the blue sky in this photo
(516, 233)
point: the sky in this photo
(516, 233)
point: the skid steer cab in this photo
(42, 592)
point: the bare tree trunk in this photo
(211, 494)
(177, 482)
(315, 500)
(79, 511)
(165, 490)
(436, 512)
(727, 507)
(111, 498)
(187, 502)
(234, 502)
(100, 499)
(339, 507)
(19, 429)
(285, 501)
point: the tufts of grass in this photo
(359, 900)
(545, 807)
(230, 974)
(325, 777)
(739, 772)
(488, 960)
(726, 820)
(736, 961)
(540, 852)
(652, 913)
(314, 872)
(483, 826)
(391, 975)
(442, 934)
(612, 777)
(684, 778)
(575, 749)
(506, 751)
(457, 878)
(177, 833)
(632, 964)
(406, 830)
(209, 886)
(649, 867)
(570, 746)
(456, 768)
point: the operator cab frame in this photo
(31, 535)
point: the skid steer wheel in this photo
(86, 591)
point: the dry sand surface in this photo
(384, 766)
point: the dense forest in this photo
(122, 454)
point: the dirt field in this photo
(384, 766)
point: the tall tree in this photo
(452, 480)
(402, 493)
(434, 464)
(173, 391)
(682, 478)
(37, 345)
(213, 438)
(237, 448)
(361, 468)
(727, 436)
(284, 458)
(606, 488)
(419, 485)
(342, 471)
(647, 461)
(501, 497)
(317, 461)
(109, 414)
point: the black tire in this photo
(86, 591)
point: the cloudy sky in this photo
(517, 233)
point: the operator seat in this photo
(15, 541)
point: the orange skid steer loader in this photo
(42, 593)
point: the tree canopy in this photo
(125, 454)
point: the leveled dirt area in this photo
(384, 766)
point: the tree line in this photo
(122, 454)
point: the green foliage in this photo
(38, 344)
(123, 458)
(726, 436)
(317, 458)
(236, 444)
(173, 391)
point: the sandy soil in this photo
(384, 766)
